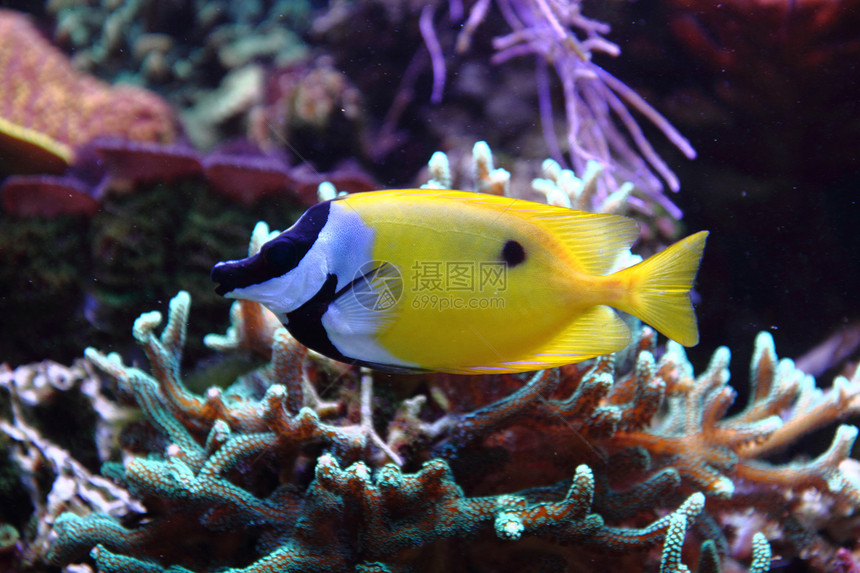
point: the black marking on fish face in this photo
(305, 324)
(513, 253)
(277, 257)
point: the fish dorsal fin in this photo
(369, 302)
(594, 240)
(597, 331)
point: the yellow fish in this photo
(436, 280)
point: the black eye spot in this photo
(513, 253)
(281, 254)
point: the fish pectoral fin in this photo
(595, 332)
(369, 303)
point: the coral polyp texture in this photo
(303, 464)
(47, 109)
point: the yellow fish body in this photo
(451, 281)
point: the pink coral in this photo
(47, 109)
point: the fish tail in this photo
(659, 292)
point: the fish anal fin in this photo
(597, 331)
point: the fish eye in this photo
(513, 253)
(281, 254)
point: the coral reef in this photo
(389, 513)
(282, 459)
(303, 464)
(73, 277)
(324, 484)
(764, 91)
(139, 37)
(30, 392)
(252, 454)
(328, 108)
(240, 171)
(599, 126)
(40, 282)
(48, 109)
(213, 66)
(315, 107)
(546, 59)
(130, 221)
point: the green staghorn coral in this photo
(384, 516)
(308, 490)
(263, 471)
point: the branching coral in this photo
(710, 449)
(206, 475)
(74, 488)
(232, 458)
(303, 464)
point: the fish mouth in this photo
(232, 275)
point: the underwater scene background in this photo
(148, 425)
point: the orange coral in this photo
(47, 109)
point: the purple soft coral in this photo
(600, 125)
